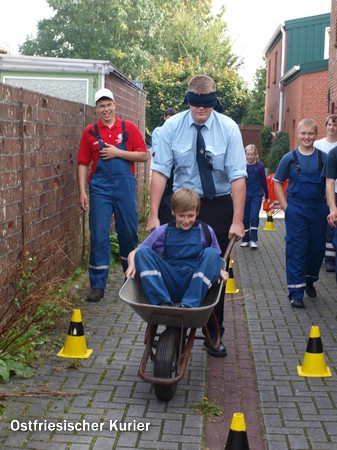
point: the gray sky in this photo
(18, 19)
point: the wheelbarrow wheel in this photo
(166, 362)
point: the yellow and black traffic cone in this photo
(237, 437)
(230, 285)
(75, 345)
(270, 223)
(314, 361)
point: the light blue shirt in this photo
(176, 146)
(155, 139)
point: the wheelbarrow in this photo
(174, 344)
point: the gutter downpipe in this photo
(280, 113)
(102, 77)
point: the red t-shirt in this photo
(89, 147)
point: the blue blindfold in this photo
(203, 100)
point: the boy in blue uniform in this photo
(326, 144)
(179, 262)
(330, 172)
(305, 212)
(111, 147)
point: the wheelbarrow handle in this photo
(228, 251)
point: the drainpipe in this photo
(23, 172)
(280, 113)
(103, 77)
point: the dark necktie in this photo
(205, 165)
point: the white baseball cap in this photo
(104, 93)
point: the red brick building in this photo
(297, 74)
(332, 75)
(251, 134)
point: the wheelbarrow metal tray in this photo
(132, 293)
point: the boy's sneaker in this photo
(310, 290)
(253, 244)
(244, 244)
(297, 302)
(330, 267)
(95, 295)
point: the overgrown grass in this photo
(31, 314)
(142, 234)
(28, 317)
(25, 327)
(114, 248)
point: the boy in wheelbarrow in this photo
(178, 262)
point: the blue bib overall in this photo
(186, 272)
(305, 219)
(112, 191)
(254, 194)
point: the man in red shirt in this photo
(111, 147)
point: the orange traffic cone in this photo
(270, 223)
(237, 437)
(75, 345)
(314, 361)
(230, 285)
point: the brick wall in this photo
(273, 64)
(129, 102)
(305, 97)
(39, 212)
(251, 134)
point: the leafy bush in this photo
(27, 317)
(266, 142)
(12, 366)
(25, 327)
(280, 147)
(166, 84)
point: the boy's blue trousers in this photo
(111, 195)
(165, 282)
